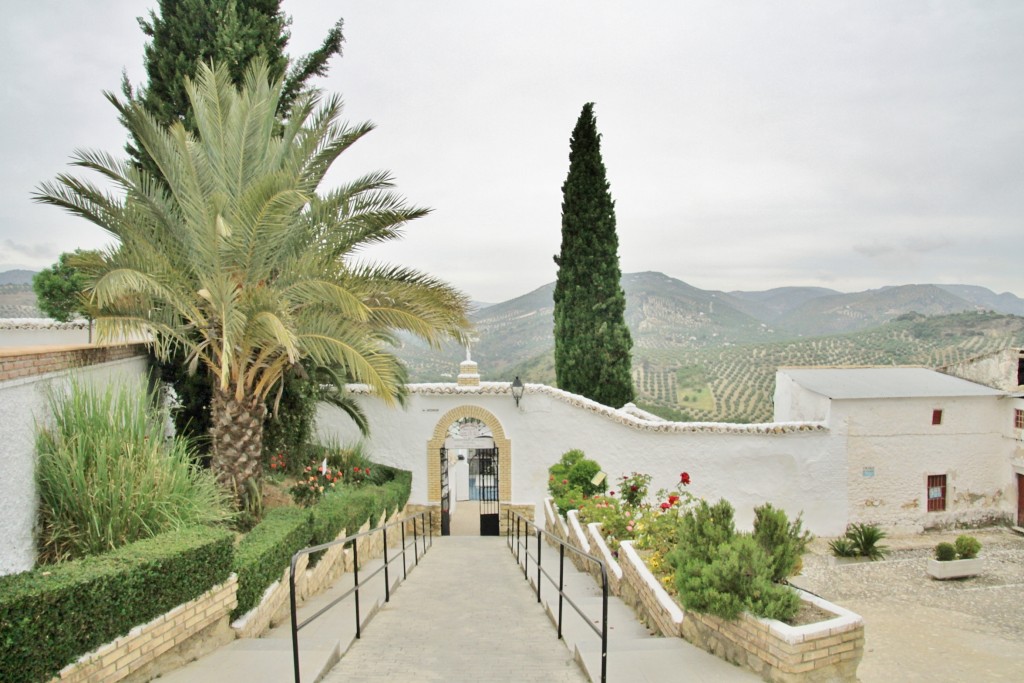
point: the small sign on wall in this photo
(868, 472)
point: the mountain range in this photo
(712, 355)
(664, 313)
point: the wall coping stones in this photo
(626, 416)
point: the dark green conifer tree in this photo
(230, 32)
(592, 342)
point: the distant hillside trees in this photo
(592, 342)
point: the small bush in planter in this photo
(784, 541)
(967, 547)
(945, 552)
(842, 547)
(722, 572)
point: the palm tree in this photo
(238, 261)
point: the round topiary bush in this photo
(945, 552)
(967, 547)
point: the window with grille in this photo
(936, 417)
(936, 492)
(1018, 418)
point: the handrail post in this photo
(604, 623)
(429, 530)
(539, 547)
(415, 540)
(526, 559)
(295, 622)
(405, 572)
(561, 584)
(387, 576)
(430, 526)
(355, 565)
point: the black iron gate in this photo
(485, 465)
(446, 521)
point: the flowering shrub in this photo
(570, 481)
(314, 483)
(278, 465)
(358, 477)
(633, 488)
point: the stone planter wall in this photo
(600, 549)
(823, 652)
(189, 630)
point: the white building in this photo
(908, 448)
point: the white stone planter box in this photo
(955, 569)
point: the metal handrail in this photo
(428, 531)
(515, 544)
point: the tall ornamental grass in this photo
(106, 476)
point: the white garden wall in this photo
(25, 376)
(797, 466)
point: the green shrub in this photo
(570, 480)
(842, 547)
(945, 552)
(784, 541)
(51, 616)
(967, 547)
(738, 578)
(106, 476)
(264, 552)
(865, 538)
(860, 540)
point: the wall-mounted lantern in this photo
(517, 389)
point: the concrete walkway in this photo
(465, 614)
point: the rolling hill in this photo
(708, 355)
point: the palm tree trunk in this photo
(237, 435)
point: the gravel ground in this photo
(920, 629)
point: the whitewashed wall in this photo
(797, 466)
(893, 447)
(23, 402)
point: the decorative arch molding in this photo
(501, 442)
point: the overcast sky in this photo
(749, 145)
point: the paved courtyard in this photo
(919, 629)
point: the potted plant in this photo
(956, 560)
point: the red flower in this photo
(666, 506)
(611, 493)
(684, 478)
(633, 488)
(672, 500)
(565, 481)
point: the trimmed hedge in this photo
(266, 551)
(349, 508)
(52, 615)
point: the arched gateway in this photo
(477, 437)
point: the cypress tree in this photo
(592, 342)
(230, 32)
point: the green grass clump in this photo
(107, 477)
